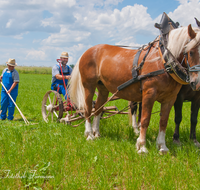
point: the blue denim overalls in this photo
(6, 102)
(59, 83)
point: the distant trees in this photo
(72, 66)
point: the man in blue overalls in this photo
(10, 79)
(57, 78)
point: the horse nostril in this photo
(193, 85)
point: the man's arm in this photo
(59, 77)
(2, 75)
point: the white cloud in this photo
(36, 55)
(9, 23)
(69, 3)
(76, 25)
(186, 12)
(129, 41)
(3, 3)
(65, 36)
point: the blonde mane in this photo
(179, 41)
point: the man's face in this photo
(64, 60)
(10, 68)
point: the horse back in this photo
(110, 64)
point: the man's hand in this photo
(67, 77)
(1, 78)
(12, 87)
(9, 91)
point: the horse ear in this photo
(191, 32)
(198, 23)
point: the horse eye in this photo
(191, 53)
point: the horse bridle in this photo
(194, 68)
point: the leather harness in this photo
(174, 68)
(136, 68)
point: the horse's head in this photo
(185, 42)
(192, 50)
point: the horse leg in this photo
(139, 114)
(133, 108)
(147, 104)
(101, 99)
(164, 115)
(89, 93)
(178, 118)
(194, 114)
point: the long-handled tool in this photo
(24, 118)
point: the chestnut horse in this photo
(186, 94)
(106, 67)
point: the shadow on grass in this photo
(117, 131)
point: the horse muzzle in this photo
(195, 84)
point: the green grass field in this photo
(57, 156)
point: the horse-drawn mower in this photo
(54, 108)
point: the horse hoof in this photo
(196, 143)
(96, 135)
(90, 137)
(163, 151)
(177, 142)
(137, 145)
(142, 150)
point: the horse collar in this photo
(175, 68)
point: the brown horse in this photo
(187, 94)
(106, 67)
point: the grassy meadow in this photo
(57, 156)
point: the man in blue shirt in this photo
(10, 79)
(57, 77)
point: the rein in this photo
(69, 104)
(58, 60)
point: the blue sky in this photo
(35, 32)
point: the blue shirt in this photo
(15, 74)
(56, 70)
(9, 77)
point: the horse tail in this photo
(76, 89)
